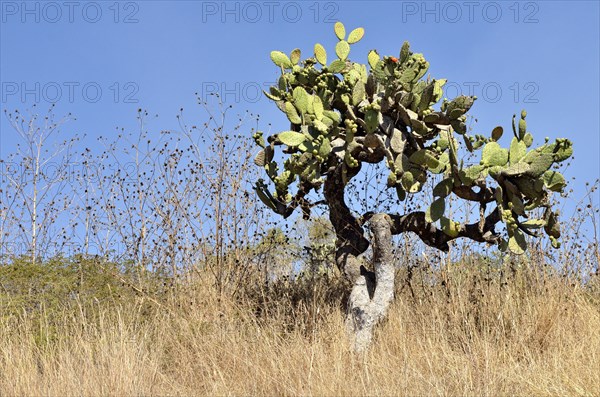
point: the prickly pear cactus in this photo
(343, 113)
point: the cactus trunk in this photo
(373, 292)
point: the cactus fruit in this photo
(350, 161)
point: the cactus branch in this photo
(415, 222)
(350, 233)
(485, 194)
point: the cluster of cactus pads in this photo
(343, 113)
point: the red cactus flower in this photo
(394, 59)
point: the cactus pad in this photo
(356, 35)
(291, 138)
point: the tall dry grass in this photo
(525, 332)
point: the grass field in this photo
(457, 331)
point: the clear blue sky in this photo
(538, 55)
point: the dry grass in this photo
(528, 335)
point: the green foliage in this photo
(281, 60)
(449, 226)
(291, 138)
(436, 210)
(340, 30)
(494, 155)
(50, 285)
(347, 112)
(320, 54)
(320, 250)
(356, 35)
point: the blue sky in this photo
(103, 60)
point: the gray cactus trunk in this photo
(372, 292)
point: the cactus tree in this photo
(343, 114)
